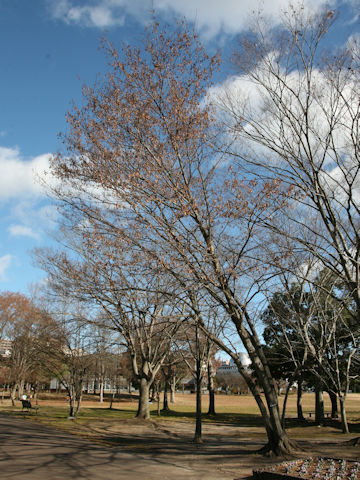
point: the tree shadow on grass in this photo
(237, 419)
(34, 451)
(293, 423)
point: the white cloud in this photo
(28, 212)
(30, 217)
(22, 231)
(245, 104)
(102, 14)
(18, 175)
(211, 16)
(230, 16)
(5, 262)
(94, 16)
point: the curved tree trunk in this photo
(278, 441)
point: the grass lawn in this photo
(239, 409)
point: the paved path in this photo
(30, 451)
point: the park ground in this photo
(230, 439)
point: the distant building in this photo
(5, 348)
(229, 367)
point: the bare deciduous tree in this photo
(20, 320)
(141, 167)
(294, 113)
(128, 301)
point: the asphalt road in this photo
(30, 451)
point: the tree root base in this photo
(282, 450)
(354, 441)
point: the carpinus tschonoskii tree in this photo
(140, 165)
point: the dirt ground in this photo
(229, 448)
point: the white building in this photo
(5, 348)
(229, 367)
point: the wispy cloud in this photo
(5, 262)
(102, 14)
(211, 16)
(25, 211)
(22, 231)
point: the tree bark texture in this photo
(211, 389)
(319, 405)
(143, 407)
(334, 405)
(198, 426)
(344, 423)
(165, 398)
(300, 413)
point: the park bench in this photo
(26, 404)
(326, 414)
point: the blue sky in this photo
(49, 48)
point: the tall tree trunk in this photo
(77, 404)
(112, 400)
(13, 394)
(334, 404)
(101, 391)
(172, 389)
(344, 424)
(21, 388)
(36, 392)
(165, 398)
(153, 392)
(278, 441)
(158, 400)
(285, 402)
(143, 407)
(211, 388)
(319, 405)
(71, 403)
(198, 426)
(300, 413)
(198, 378)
